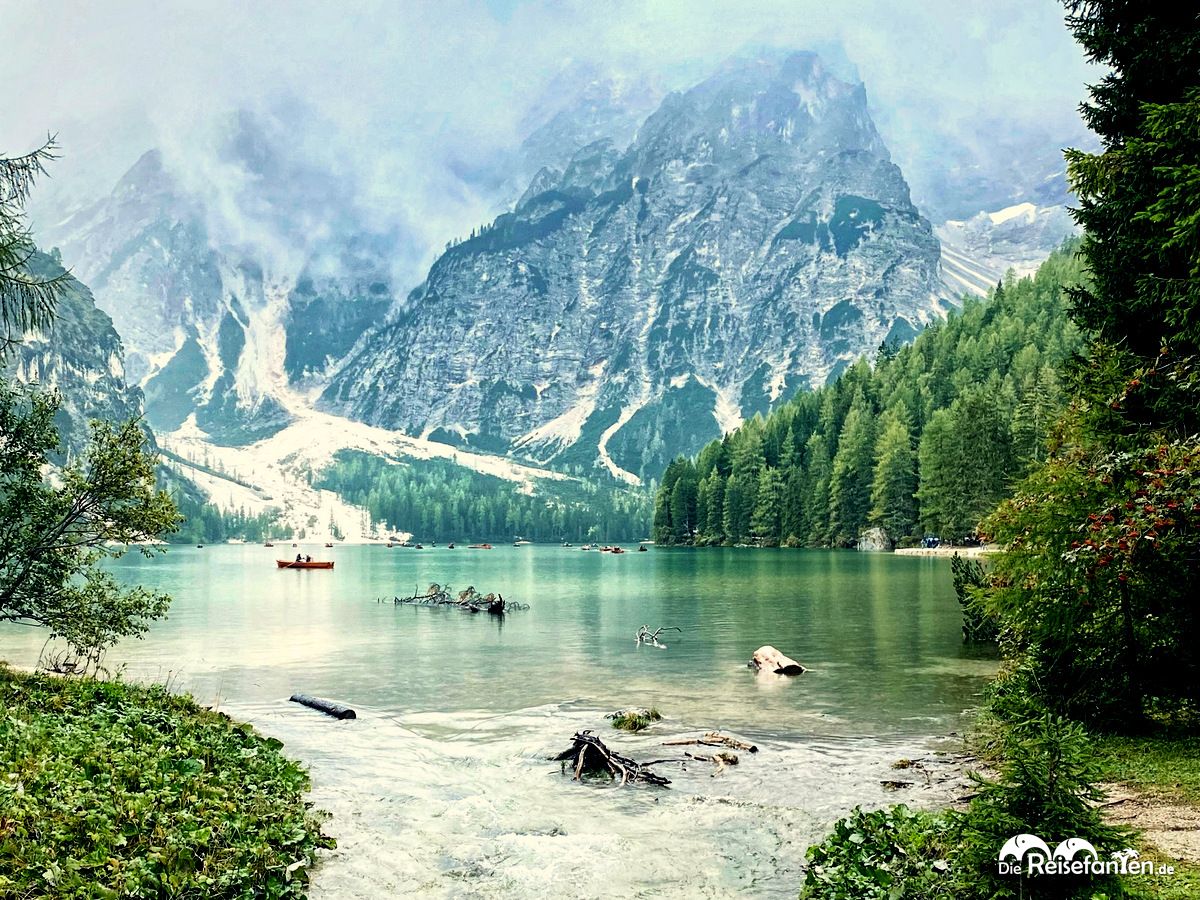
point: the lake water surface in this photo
(442, 786)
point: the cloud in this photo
(416, 100)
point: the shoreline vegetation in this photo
(112, 789)
(1092, 726)
(926, 440)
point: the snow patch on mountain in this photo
(976, 253)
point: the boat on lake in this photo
(304, 564)
(480, 547)
(329, 545)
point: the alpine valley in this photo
(674, 265)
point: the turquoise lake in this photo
(442, 786)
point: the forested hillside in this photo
(439, 501)
(929, 439)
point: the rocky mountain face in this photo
(979, 251)
(753, 240)
(232, 289)
(78, 355)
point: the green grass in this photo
(1158, 766)
(635, 719)
(1184, 884)
(109, 789)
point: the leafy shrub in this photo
(886, 854)
(108, 789)
(635, 719)
(1046, 785)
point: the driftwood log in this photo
(587, 755)
(713, 739)
(768, 659)
(326, 706)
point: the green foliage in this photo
(1165, 766)
(1139, 198)
(934, 434)
(635, 719)
(1096, 590)
(886, 854)
(969, 582)
(1097, 587)
(57, 530)
(966, 463)
(26, 299)
(894, 487)
(850, 481)
(203, 523)
(111, 790)
(439, 501)
(1046, 785)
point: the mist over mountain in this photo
(79, 356)
(753, 240)
(625, 262)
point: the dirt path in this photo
(1173, 828)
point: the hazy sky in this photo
(413, 91)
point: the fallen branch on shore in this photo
(587, 755)
(470, 600)
(713, 739)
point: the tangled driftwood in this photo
(470, 600)
(646, 636)
(588, 756)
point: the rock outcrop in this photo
(769, 660)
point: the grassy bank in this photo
(109, 789)
(1159, 767)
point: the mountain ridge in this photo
(638, 281)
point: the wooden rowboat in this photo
(292, 564)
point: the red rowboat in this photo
(285, 564)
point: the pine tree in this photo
(850, 480)
(715, 533)
(893, 502)
(795, 525)
(739, 505)
(819, 468)
(683, 505)
(768, 507)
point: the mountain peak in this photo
(764, 102)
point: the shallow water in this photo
(442, 785)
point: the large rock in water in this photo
(754, 240)
(875, 540)
(768, 659)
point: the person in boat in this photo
(308, 559)
(299, 557)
